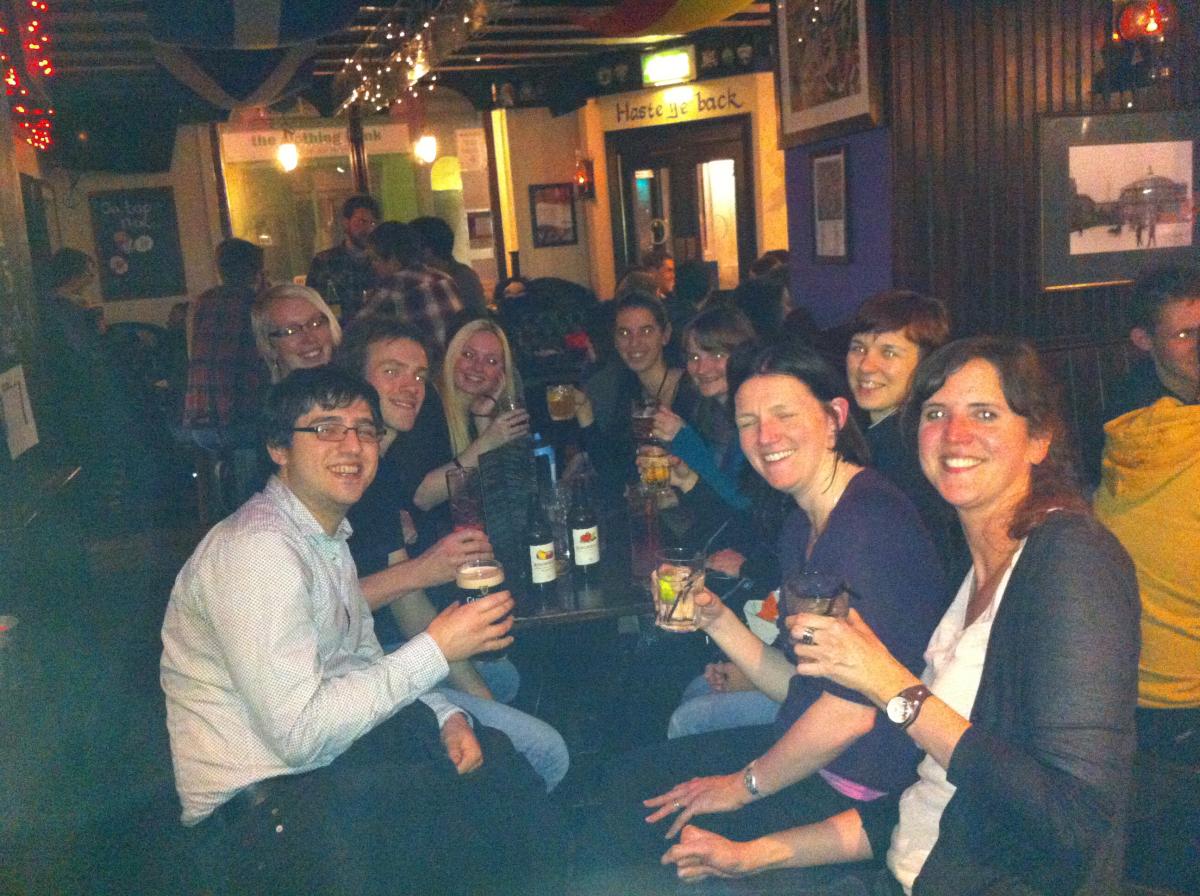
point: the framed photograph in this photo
(552, 209)
(831, 226)
(1118, 195)
(830, 68)
(479, 228)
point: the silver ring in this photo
(808, 636)
(678, 805)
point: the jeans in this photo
(534, 739)
(501, 677)
(702, 709)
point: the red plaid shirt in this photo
(426, 298)
(225, 374)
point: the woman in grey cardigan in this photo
(1025, 709)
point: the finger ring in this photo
(808, 636)
(678, 805)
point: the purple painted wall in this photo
(832, 292)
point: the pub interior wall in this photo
(194, 183)
(542, 150)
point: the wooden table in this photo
(610, 598)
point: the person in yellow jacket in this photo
(1149, 497)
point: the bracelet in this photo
(749, 779)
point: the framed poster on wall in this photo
(552, 210)
(137, 243)
(830, 68)
(1119, 195)
(831, 212)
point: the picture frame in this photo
(1118, 195)
(552, 215)
(831, 208)
(830, 73)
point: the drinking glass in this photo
(466, 498)
(643, 413)
(560, 401)
(678, 576)
(811, 592)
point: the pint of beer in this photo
(477, 579)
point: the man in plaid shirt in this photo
(226, 376)
(426, 298)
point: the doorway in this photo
(688, 188)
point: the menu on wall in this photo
(137, 243)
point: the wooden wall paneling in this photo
(969, 82)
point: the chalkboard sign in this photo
(137, 243)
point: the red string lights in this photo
(34, 120)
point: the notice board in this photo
(137, 243)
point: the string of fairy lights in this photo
(27, 40)
(407, 45)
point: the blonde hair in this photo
(260, 320)
(458, 403)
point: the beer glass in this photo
(643, 419)
(560, 401)
(654, 466)
(477, 579)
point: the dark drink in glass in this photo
(643, 420)
(477, 579)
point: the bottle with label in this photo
(585, 536)
(543, 565)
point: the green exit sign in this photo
(665, 67)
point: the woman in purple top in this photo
(828, 751)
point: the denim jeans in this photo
(534, 739)
(702, 710)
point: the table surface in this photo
(613, 595)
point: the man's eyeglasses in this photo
(319, 322)
(337, 432)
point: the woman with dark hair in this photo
(827, 751)
(603, 407)
(1025, 709)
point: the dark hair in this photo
(1158, 287)
(769, 262)
(645, 301)
(720, 328)
(239, 261)
(361, 200)
(436, 235)
(1031, 393)
(66, 264)
(802, 362)
(761, 300)
(363, 332)
(693, 281)
(924, 320)
(302, 390)
(394, 241)
(637, 280)
(655, 258)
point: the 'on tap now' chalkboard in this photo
(137, 243)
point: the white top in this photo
(270, 662)
(953, 667)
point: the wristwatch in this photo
(905, 706)
(750, 780)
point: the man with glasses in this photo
(307, 759)
(343, 273)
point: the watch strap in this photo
(915, 696)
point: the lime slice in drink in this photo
(666, 593)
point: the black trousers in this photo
(392, 816)
(619, 853)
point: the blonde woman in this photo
(479, 388)
(293, 329)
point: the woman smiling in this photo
(1025, 709)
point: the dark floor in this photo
(87, 803)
